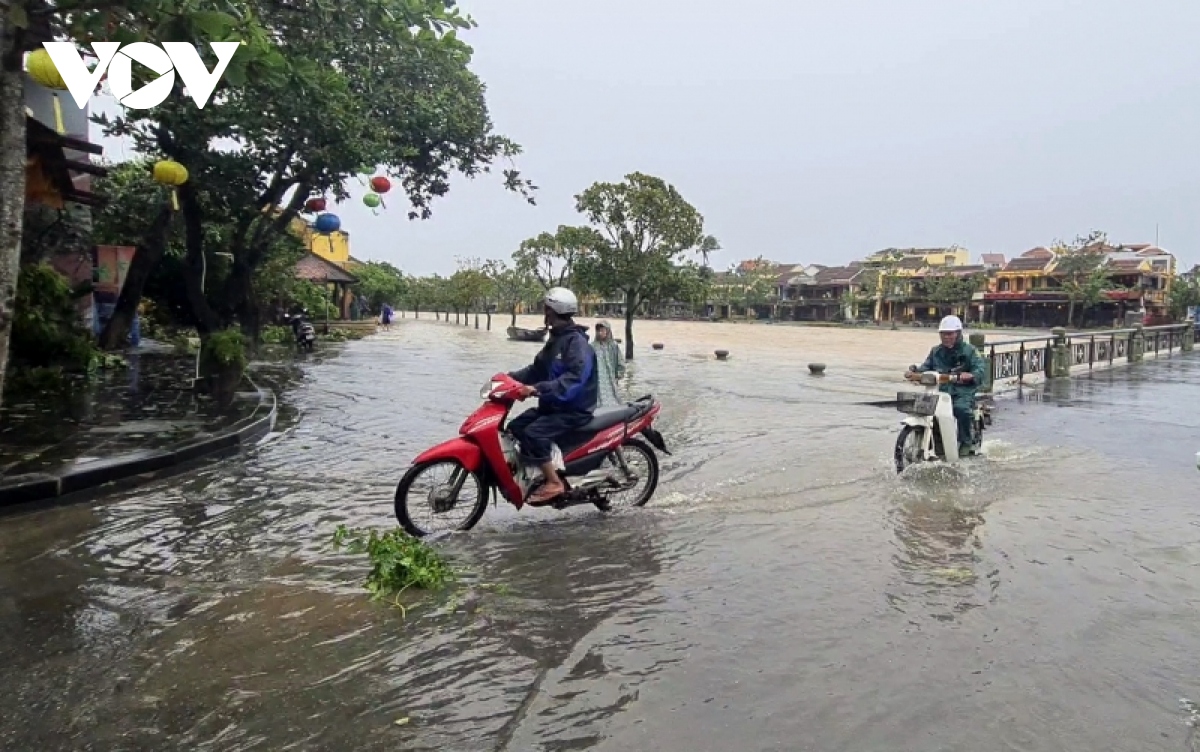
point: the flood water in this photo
(783, 591)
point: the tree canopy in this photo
(643, 225)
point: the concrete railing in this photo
(1019, 361)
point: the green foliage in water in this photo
(398, 560)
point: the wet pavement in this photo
(783, 591)
(149, 405)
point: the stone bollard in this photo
(722, 354)
(816, 369)
(979, 342)
(1137, 344)
(1060, 355)
(1188, 343)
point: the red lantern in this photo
(315, 205)
(380, 184)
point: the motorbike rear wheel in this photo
(636, 454)
(441, 500)
(908, 447)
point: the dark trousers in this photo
(536, 432)
(963, 415)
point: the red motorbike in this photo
(603, 463)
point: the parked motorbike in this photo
(930, 432)
(303, 331)
(604, 463)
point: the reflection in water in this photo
(751, 605)
(938, 546)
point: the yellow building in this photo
(952, 256)
(333, 247)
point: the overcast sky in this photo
(819, 132)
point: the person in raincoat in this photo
(954, 354)
(610, 366)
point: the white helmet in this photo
(562, 301)
(950, 324)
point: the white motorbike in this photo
(930, 432)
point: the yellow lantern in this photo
(170, 172)
(40, 67)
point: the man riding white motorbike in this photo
(954, 355)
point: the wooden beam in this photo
(88, 167)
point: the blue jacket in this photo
(564, 373)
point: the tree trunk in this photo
(1070, 312)
(489, 321)
(12, 177)
(629, 300)
(477, 321)
(514, 316)
(145, 260)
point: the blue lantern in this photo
(327, 223)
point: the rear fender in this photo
(465, 452)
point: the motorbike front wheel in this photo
(436, 497)
(909, 447)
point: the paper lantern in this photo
(169, 172)
(41, 68)
(380, 184)
(172, 174)
(327, 223)
(315, 205)
(371, 200)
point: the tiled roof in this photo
(837, 275)
(316, 269)
(993, 259)
(1125, 264)
(1028, 263)
(911, 262)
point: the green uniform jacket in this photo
(963, 357)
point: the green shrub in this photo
(225, 350)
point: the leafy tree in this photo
(24, 23)
(380, 282)
(754, 281)
(161, 260)
(392, 89)
(1185, 293)
(645, 226)
(512, 286)
(688, 283)
(1079, 266)
(551, 258)
(471, 289)
(949, 290)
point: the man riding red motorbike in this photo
(563, 377)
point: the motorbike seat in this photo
(609, 417)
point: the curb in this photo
(149, 464)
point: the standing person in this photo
(385, 317)
(610, 366)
